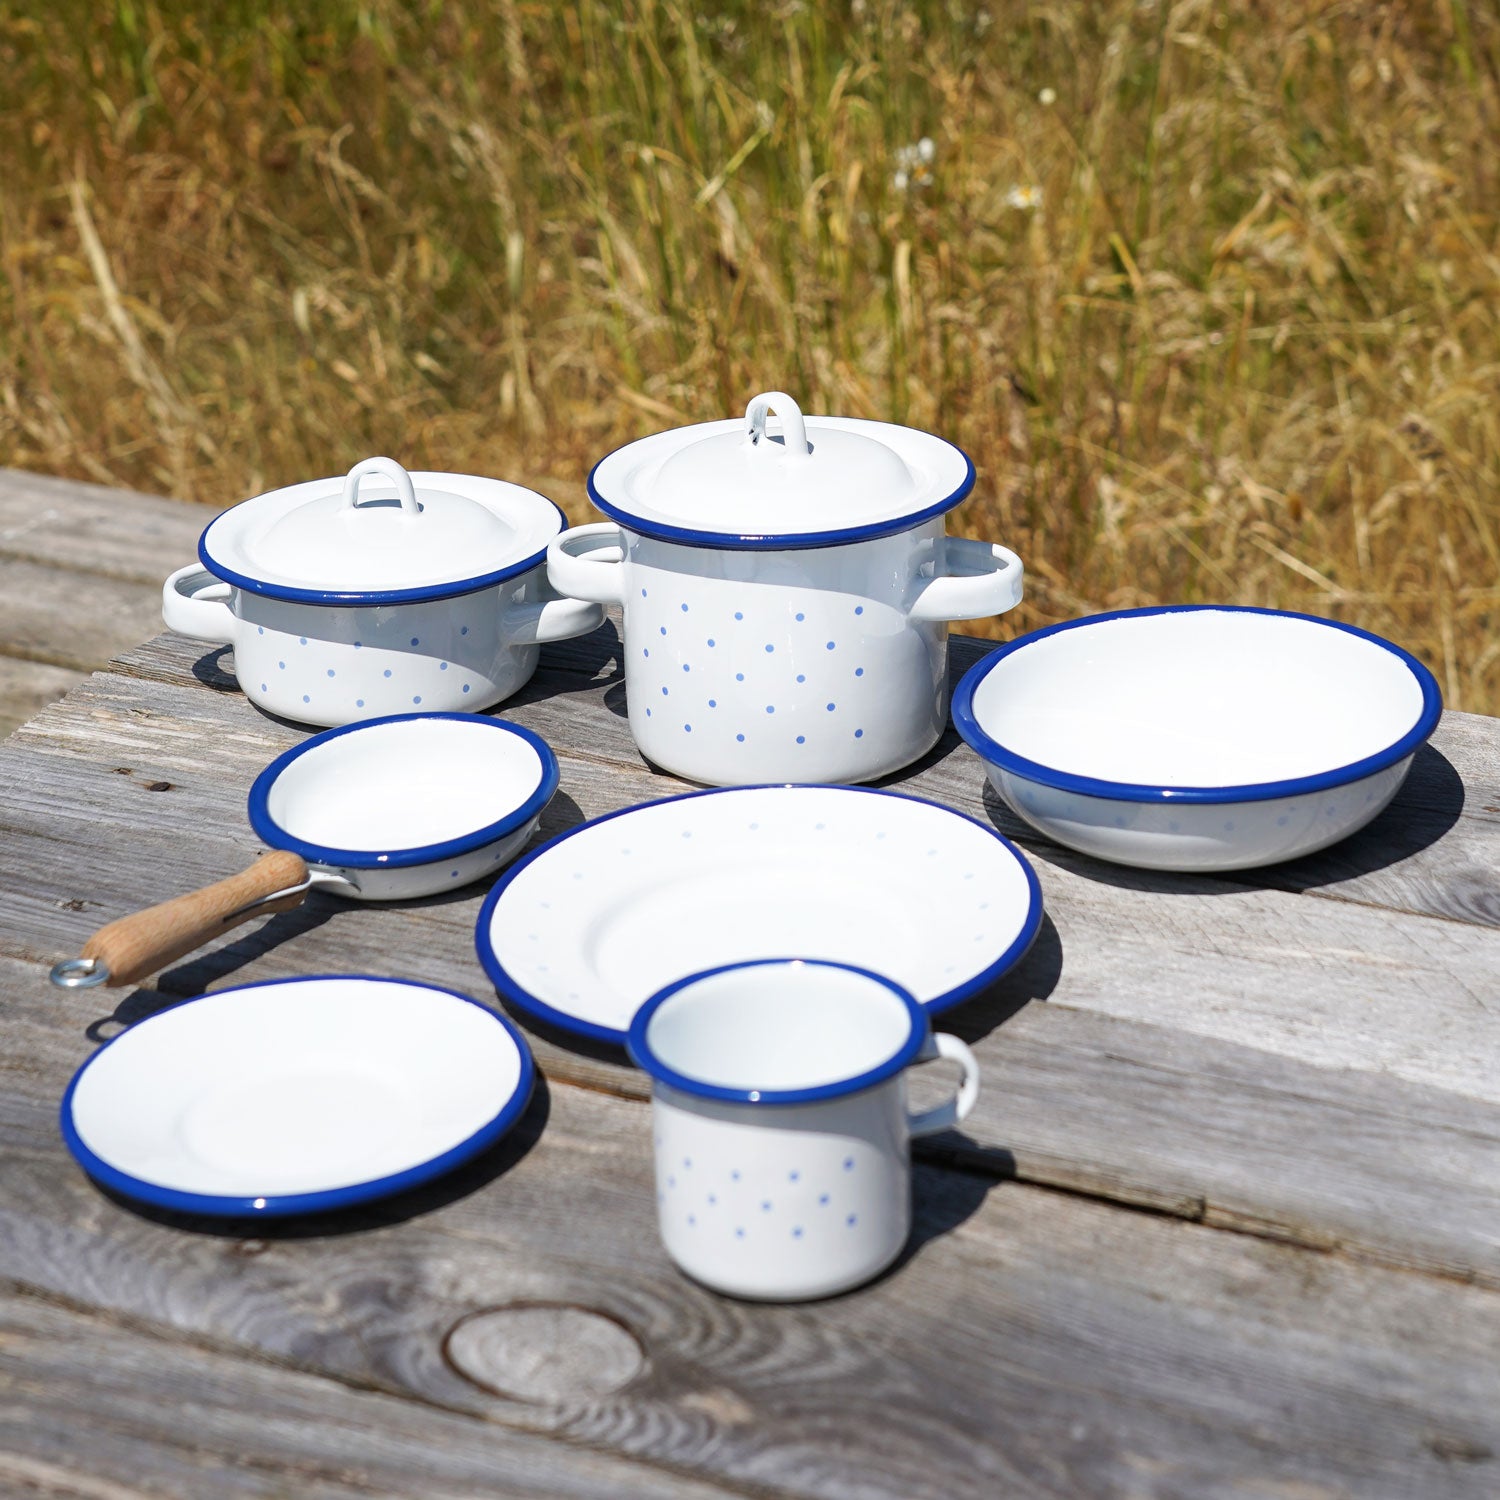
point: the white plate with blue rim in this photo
(581, 933)
(296, 1096)
(1197, 737)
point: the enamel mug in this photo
(781, 1129)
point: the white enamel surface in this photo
(787, 1202)
(798, 666)
(307, 536)
(1214, 836)
(779, 1026)
(710, 478)
(408, 882)
(405, 785)
(295, 1088)
(601, 920)
(1201, 698)
(329, 665)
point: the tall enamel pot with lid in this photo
(379, 592)
(787, 588)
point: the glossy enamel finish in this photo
(779, 1123)
(1197, 738)
(296, 1096)
(584, 930)
(407, 806)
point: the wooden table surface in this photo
(1225, 1222)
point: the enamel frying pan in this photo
(383, 810)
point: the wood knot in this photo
(544, 1351)
(158, 786)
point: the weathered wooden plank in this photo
(69, 619)
(1033, 1344)
(75, 527)
(27, 687)
(1180, 1118)
(103, 1411)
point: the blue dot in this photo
(415, 641)
(442, 666)
(740, 738)
(664, 630)
(797, 1232)
(770, 708)
(859, 609)
(304, 640)
(645, 651)
(452, 874)
(859, 671)
(417, 699)
(859, 734)
(739, 1234)
(793, 1176)
(738, 615)
(466, 687)
(359, 702)
(648, 713)
(710, 640)
(848, 1163)
(765, 1205)
(823, 1198)
(1281, 821)
(359, 645)
(688, 728)
(739, 676)
(684, 609)
(686, 668)
(643, 593)
(687, 1161)
(263, 688)
(664, 692)
(852, 1220)
(734, 1176)
(801, 739)
(769, 649)
(463, 630)
(830, 646)
(387, 671)
(830, 708)
(712, 1200)
(801, 617)
(330, 671)
(306, 699)
(713, 702)
(260, 630)
(800, 677)
(671, 1182)
(282, 665)
(691, 1220)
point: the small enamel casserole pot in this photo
(378, 593)
(786, 593)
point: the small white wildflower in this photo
(1026, 196)
(899, 182)
(925, 149)
(913, 165)
(983, 20)
(1048, 96)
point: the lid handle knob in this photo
(793, 428)
(389, 469)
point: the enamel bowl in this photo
(1197, 737)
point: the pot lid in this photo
(798, 482)
(380, 536)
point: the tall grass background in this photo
(1209, 292)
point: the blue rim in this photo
(329, 597)
(233, 1207)
(271, 832)
(778, 542)
(996, 754)
(538, 1008)
(638, 1044)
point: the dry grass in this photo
(1209, 292)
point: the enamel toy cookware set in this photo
(770, 952)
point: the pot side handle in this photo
(194, 603)
(550, 618)
(946, 1115)
(975, 579)
(588, 562)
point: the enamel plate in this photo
(585, 930)
(296, 1096)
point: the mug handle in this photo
(588, 562)
(974, 580)
(946, 1115)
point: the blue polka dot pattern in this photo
(684, 609)
(359, 702)
(740, 738)
(415, 641)
(387, 671)
(442, 666)
(330, 671)
(304, 640)
(466, 687)
(306, 699)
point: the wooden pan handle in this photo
(126, 951)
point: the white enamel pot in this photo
(378, 593)
(786, 595)
(385, 810)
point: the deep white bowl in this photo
(1197, 737)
